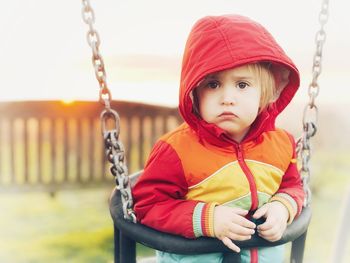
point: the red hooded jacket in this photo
(197, 166)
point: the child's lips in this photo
(227, 114)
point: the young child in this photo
(227, 164)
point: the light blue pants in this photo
(266, 255)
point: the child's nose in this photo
(228, 96)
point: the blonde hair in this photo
(266, 81)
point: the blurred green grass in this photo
(75, 226)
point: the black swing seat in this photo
(127, 233)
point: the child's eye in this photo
(212, 84)
(242, 85)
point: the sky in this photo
(44, 54)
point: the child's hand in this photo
(276, 215)
(230, 223)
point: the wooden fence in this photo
(52, 145)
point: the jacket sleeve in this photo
(291, 192)
(159, 197)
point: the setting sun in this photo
(67, 101)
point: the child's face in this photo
(230, 99)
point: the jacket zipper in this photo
(250, 177)
(253, 191)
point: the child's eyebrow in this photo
(207, 77)
(239, 75)
(247, 77)
(216, 76)
(211, 76)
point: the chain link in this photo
(116, 156)
(113, 146)
(93, 40)
(310, 114)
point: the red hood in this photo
(222, 42)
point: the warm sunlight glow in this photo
(67, 101)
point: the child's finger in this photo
(238, 237)
(228, 242)
(274, 233)
(242, 221)
(268, 225)
(241, 230)
(240, 234)
(268, 231)
(265, 226)
(271, 234)
(240, 211)
(260, 212)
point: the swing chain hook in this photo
(310, 114)
(93, 40)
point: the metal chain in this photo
(93, 40)
(114, 148)
(310, 115)
(115, 154)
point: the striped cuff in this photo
(203, 217)
(288, 202)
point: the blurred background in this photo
(54, 185)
